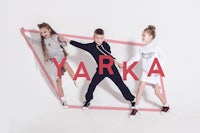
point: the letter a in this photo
(85, 73)
(158, 71)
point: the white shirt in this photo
(147, 54)
(53, 46)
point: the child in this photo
(96, 49)
(53, 47)
(147, 54)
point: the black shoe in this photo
(165, 108)
(64, 104)
(132, 105)
(86, 105)
(133, 112)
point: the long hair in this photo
(45, 25)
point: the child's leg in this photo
(165, 106)
(159, 94)
(138, 96)
(139, 92)
(95, 81)
(117, 79)
(60, 90)
(59, 86)
(69, 70)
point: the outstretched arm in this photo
(80, 45)
(22, 32)
(74, 43)
(32, 41)
(136, 57)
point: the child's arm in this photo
(135, 58)
(80, 45)
(74, 43)
(63, 41)
(32, 41)
(22, 32)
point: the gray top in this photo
(53, 46)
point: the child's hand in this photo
(120, 65)
(63, 39)
(22, 32)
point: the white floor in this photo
(39, 113)
(27, 104)
(32, 108)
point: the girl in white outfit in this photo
(147, 54)
(53, 47)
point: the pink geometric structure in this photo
(90, 38)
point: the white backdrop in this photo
(29, 99)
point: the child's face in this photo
(45, 32)
(146, 38)
(98, 39)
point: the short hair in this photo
(99, 31)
